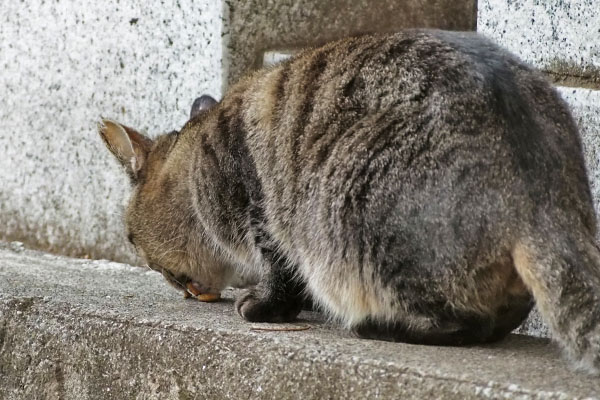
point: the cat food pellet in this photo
(192, 289)
(208, 297)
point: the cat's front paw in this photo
(254, 308)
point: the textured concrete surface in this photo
(256, 26)
(561, 37)
(95, 329)
(63, 65)
(534, 326)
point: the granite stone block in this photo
(557, 36)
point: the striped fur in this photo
(397, 179)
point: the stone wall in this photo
(63, 65)
(560, 37)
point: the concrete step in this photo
(86, 329)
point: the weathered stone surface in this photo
(256, 26)
(558, 36)
(96, 329)
(64, 64)
(534, 326)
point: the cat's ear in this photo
(130, 147)
(202, 103)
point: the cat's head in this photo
(160, 220)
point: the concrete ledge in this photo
(96, 329)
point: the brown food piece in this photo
(192, 289)
(209, 297)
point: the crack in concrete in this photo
(59, 376)
(3, 335)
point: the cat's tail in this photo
(561, 267)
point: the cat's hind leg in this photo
(469, 330)
(460, 329)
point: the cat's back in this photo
(408, 86)
(374, 73)
(367, 122)
(371, 122)
(422, 95)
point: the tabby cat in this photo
(423, 186)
